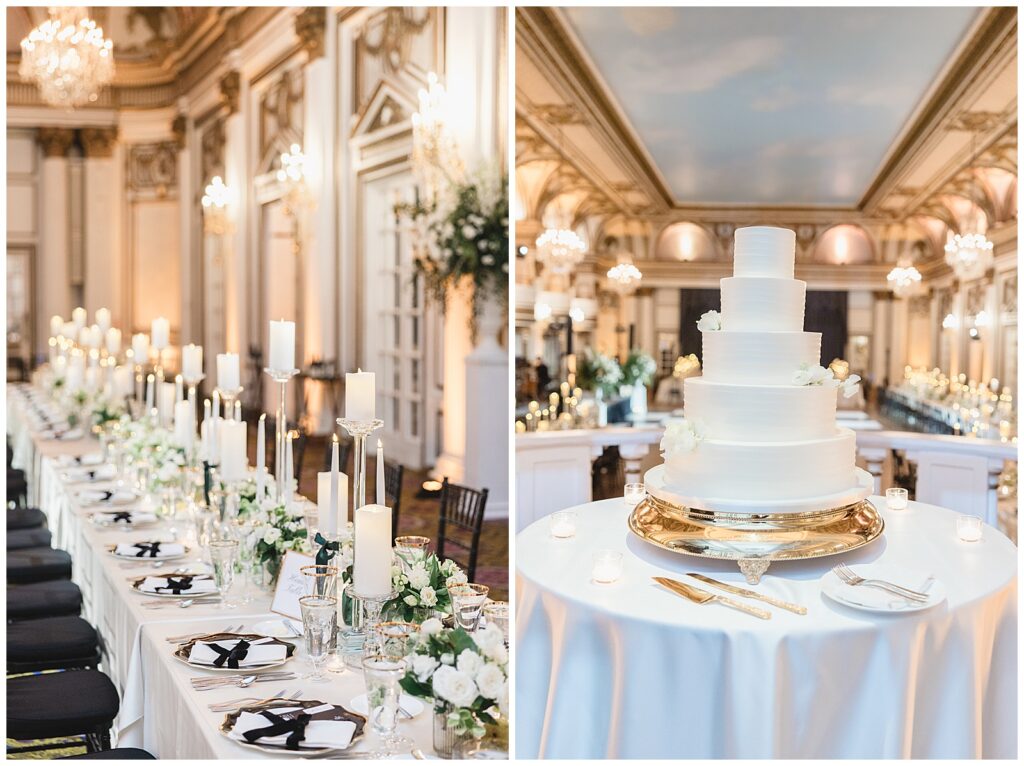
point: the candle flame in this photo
(334, 438)
(263, 417)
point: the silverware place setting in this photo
(848, 576)
(206, 683)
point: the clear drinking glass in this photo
(241, 530)
(383, 673)
(318, 618)
(496, 613)
(411, 550)
(393, 637)
(321, 579)
(467, 603)
(223, 555)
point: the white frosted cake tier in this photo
(763, 303)
(764, 471)
(769, 358)
(764, 251)
(757, 413)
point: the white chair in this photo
(956, 481)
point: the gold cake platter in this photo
(755, 540)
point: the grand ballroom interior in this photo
(647, 140)
(236, 208)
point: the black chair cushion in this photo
(51, 638)
(28, 538)
(15, 474)
(43, 599)
(38, 565)
(25, 518)
(60, 704)
(117, 754)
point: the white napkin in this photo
(93, 458)
(166, 550)
(87, 474)
(136, 517)
(259, 654)
(204, 585)
(334, 734)
(65, 436)
(113, 497)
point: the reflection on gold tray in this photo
(755, 540)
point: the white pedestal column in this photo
(487, 411)
(104, 267)
(457, 346)
(54, 275)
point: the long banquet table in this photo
(159, 709)
(630, 670)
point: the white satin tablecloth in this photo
(630, 670)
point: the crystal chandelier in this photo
(435, 155)
(560, 249)
(969, 255)
(904, 281)
(67, 58)
(624, 276)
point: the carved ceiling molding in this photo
(311, 29)
(230, 91)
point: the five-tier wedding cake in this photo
(759, 433)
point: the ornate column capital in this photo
(311, 26)
(99, 142)
(230, 91)
(179, 129)
(55, 141)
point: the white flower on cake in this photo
(709, 321)
(681, 436)
(814, 375)
(850, 386)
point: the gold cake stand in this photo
(755, 540)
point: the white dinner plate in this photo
(137, 583)
(111, 549)
(93, 458)
(872, 599)
(411, 705)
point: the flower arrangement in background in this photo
(639, 368)
(106, 411)
(598, 372)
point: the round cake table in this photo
(631, 670)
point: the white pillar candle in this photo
(95, 337)
(150, 393)
(113, 341)
(56, 325)
(372, 575)
(79, 316)
(360, 396)
(381, 497)
(233, 461)
(76, 371)
(330, 521)
(92, 379)
(165, 401)
(227, 372)
(160, 332)
(103, 319)
(336, 477)
(192, 362)
(261, 455)
(60, 366)
(184, 426)
(70, 331)
(179, 388)
(140, 347)
(122, 381)
(282, 345)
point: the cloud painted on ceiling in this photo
(769, 105)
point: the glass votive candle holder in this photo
(896, 499)
(968, 528)
(634, 493)
(562, 524)
(607, 566)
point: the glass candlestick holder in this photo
(281, 377)
(361, 629)
(359, 430)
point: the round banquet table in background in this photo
(631, 670)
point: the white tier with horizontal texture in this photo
(770, 358)
(764, 471)
(764, 251)
(760, 413)
(765, 304)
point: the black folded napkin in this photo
(232, 656)
(282, 725)
(124, 516)
(147, 549)
(176, 585)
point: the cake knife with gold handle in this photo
(788, 606)
(701, 596)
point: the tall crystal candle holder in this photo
(193, 385)
(228, 396)
(359, 430)
(158, 365)
(366, 611)
(281, 377)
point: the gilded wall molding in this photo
(311, 28)
(55, 141)
(153, 168)
(98, 142)
(231, 91)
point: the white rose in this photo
(428, 596)
(681, 436)
(419, 577)
(457, 578)
(710, 321)
(491, 681)
(431, 626)
(423, 666)
(802, 377)
(468, 232)
(469, 662)
(272, 535)
(455, 686)
(447, 658)
(410, 600)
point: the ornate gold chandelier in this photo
(68, 58)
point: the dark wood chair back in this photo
(393, 473)
(461, 521)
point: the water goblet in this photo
(318, 620)
(223, 555)
(467, 603)
(241, 530)
(411, 550)
(394, 636)
(321, 579)
(496, 613)
(383, 673)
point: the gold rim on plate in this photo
(230, 719)
(182, 652)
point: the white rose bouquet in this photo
(146, 441)
(424, 588)
(276, 529)
(467, 673)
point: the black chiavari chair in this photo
(461, 521)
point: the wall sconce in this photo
(949, 322)
(981, 319)
(292, 175)
(435, 155)
(215, 201)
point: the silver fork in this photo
(848, 576)
(233, 705)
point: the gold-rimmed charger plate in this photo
(135, 583)
(229, 722)
(181, 653)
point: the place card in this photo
(292, 585)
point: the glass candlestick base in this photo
(281, 377)
(359, 430)
(356, 636)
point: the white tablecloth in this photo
(159, 710)
(630, 670)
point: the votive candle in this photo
(968, 528)
(607, 566)
(896, 499)
(562, 524)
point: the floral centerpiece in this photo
(465, 675)
(275, 528)
(639, 368)
(151, 443)
(422, 588)
(599, 373)
(106, 411)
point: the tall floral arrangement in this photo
(599, 372)
(275, 528)
(639, 368)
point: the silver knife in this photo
(787, 605)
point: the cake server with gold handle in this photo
(787, 605)
(701, 596)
